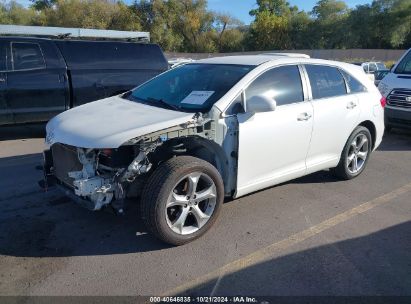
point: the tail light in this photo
(383, 101)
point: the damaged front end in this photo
(96, 178)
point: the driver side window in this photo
(283, 84)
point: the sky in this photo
(240, 8)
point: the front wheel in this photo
(355, 155)
(182, 199)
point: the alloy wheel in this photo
(357, 154)
(191, 203)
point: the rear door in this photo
(37, 86)
(336, 114)
(5, 113)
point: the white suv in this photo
(220, 127)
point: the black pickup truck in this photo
(41, 77)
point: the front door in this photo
(273, 145)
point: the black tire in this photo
(160, 186)
(341, 171)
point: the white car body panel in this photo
(110, 122)
(334, 119)
(269, 153)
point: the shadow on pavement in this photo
(396, 140)
(376, 264)
(54, 226)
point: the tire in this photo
(172, 196)
(352, 155)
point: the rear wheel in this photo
(182, 199)
(355, 155)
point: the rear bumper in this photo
(395, 117)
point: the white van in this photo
(396, 88)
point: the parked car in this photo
(372, 67)
(379, 75)
(396, 89)
(41, 77)
(219, 127)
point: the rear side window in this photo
(354, 85)
(26, 56)
(325, 81)
(282, 83)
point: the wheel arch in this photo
(373, 130)
(195, 146)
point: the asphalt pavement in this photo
(312, 236)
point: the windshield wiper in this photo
(162, 102)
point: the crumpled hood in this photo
(109, 123)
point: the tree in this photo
(100, 14)
(330, 25)
(229, 37)
(273, 7)
(14, 13)
(394, 20)
(300, 31)
(277, 25)
(269, 31)
(188, 25)
(42, 4)
(381, 24)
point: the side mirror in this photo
(260, 103)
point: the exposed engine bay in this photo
(100, 177)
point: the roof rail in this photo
(66, 32)
(293, 55)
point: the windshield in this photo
(191, 88)
(404, 67)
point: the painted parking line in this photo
(267, 252)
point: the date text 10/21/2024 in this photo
(199, 299)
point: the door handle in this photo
(304, 116)
(2, 79)
(351, 105)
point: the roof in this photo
(292, 55)
(241, 60)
